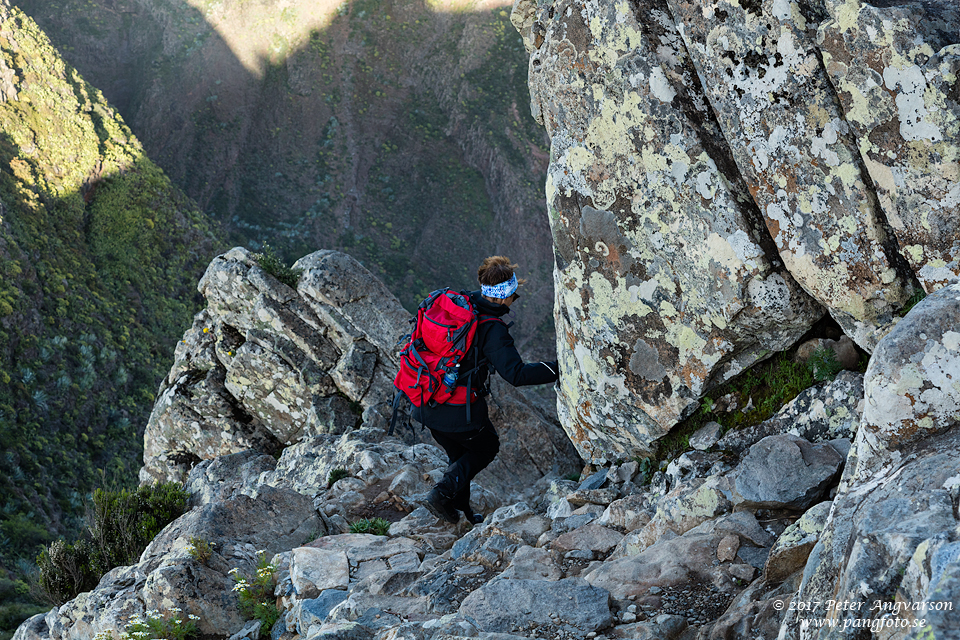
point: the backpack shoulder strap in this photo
(485, 318)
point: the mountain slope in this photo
(99, 257)
(396, 131)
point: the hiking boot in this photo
(473, 517)
(439, 506)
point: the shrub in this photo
(255, 594)
(124, 522)
(120, 526)
(336, 474)
(272, 264)
(824, 365)
(66, 570)
(200, 550)
(377, 526)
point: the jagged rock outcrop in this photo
(722, 173)
(266, 366)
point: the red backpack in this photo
(431, 357)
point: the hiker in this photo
(472, 445)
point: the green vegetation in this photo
(336, 474)
(200, 550)
(376, 526)
(823, 364)
(255, 594)
(122, 524)
(99, 259)
(269, 262)
(167, 625)
(759, 393)
(918, 295)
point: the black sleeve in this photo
(503, 356)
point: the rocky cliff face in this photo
(723, 173)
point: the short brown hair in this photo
(496, 269)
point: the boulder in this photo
(786, 131)
(785, 472)
(592, 537)
(667, 282)
(706, 436)
(879, 543)
(910, 387)
(789, 554)
(895, 508)
(756, 612)
(272, 365)
(507, 605)
(532, 563)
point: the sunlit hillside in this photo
(397, 131)
(99, 258)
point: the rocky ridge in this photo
(265, 366)
(834, 500)
(724, 173)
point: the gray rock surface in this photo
(785, 472)
(667, 282)
(511, 605)
(894, 67)
(910, 385)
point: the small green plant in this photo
(317, 534)
(256, 593)
(645, 472)
(824, 365)
(706, 405)
(336, 474)
(169, 625)
(919, 295)
(272, 264)
(200, 550)
(376, 526)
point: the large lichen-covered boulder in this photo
(911, 389)
(722, 173)
(666, 279)
(780, 115)
(895, 68)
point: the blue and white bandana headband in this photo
(500, 291)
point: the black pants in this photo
(469, 453)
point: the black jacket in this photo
(494, 345)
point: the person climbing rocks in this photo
(472, 444)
